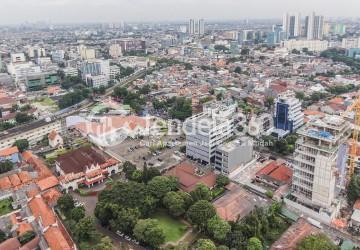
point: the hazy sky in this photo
(17, 11)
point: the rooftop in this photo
(188, 178)
(76, 161)
(293, 235)
(235, 204)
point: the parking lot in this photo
(139, 151)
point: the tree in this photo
(300, 95)
(77, 213)
(222, 247)
(353, 191)
(238, 70)
(201, 192)
(199, 213)
(160, 185)
(205, 244)
(149, 173)
(23, 117)
(177, 202)
(149, 232)
(222, 180)
(85, 229)
(104, 244)
(316, 242)
(3, 236)
(128, 169)
(66, 203)
(269, 102)
(124, 219)
(218, 228)
(126, 194)
(22, 144)
(6, 166)
(137, 176)
(254, 244)
(26, 237)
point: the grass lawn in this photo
(174, 229)
(46, 101)
(5, 206)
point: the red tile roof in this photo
(56, 239)
(47, 183)
(357, 204)
(5, 183)
(10, 244)
(293, 235)
(51, 196)
(41, 210)
(188, 179)
(277, 172)
(9, 151)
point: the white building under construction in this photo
(318, 166)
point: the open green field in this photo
(5, 206)
(174, 229)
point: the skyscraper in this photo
(292, 25)
(196, 27)
(276, 35)
(191, 27)
(201, 27)
(314, 27)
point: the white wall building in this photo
(18, 57)
(352, 42)
(96, 81)
(315, 163)
(311, 45)
(232, 155)
(207, 130)
(292, 25)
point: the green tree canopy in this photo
(205, 244)
(85, 229)
(254, 244)
(160, 185)
(222, 180)
(199, 213)
(149, 232)
(66, 203)
(22, 144)
(77, 213)
(6, 166)
(353, 191)
(104, 244)
(201, 192)
(317, 242)
(177, 202)
(218, 228)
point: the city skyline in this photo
(66, 11)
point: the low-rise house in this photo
(274, 174)
(55, 140)
(290, 239)
(355, 217)
(189, 176)
(12, 154)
